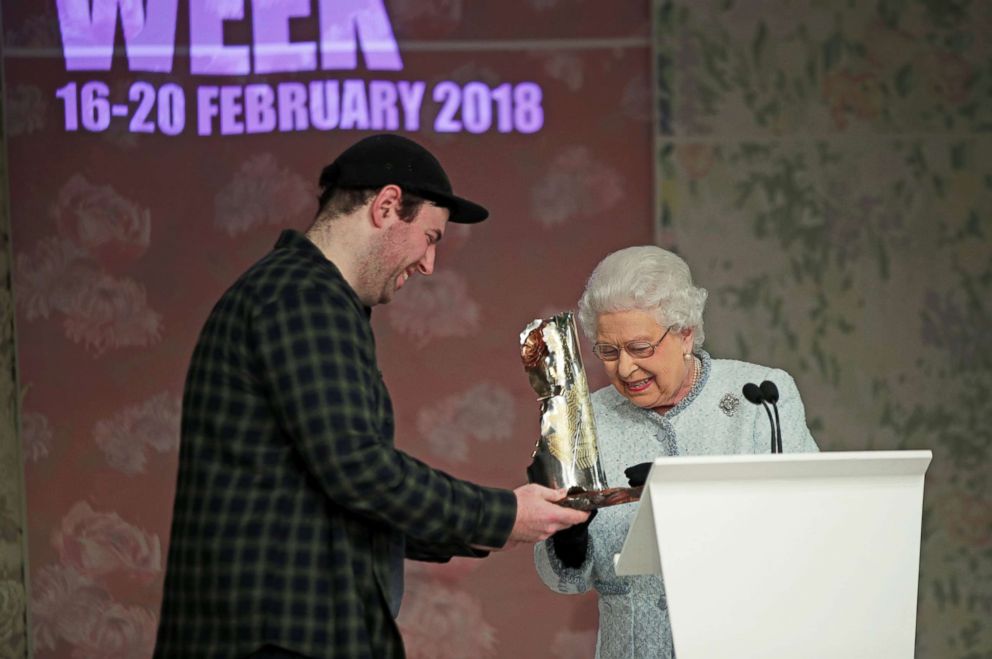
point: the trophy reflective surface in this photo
(566, 455)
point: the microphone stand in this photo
(756, 396)
(769, 392)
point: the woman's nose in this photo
(625, 364)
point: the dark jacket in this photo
(292, 506)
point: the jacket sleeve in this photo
(315, 357)
(417, 550)
(558, 577)
(796, 437)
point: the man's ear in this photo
(385, 205)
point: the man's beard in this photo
(379, 270)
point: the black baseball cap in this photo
(391, 159)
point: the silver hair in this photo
(645, 278)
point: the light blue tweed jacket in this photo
(714, 419)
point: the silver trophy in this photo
(565, 455)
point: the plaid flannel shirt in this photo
(291, 500)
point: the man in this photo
(293, 509)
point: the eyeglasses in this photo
(608, 352)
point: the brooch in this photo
(729, 404)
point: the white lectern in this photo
(784, 556)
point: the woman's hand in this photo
(637, 474)
(572, 543)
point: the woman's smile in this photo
(638, 386)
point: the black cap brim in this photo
(393, 159)
(462, 210)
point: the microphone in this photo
(753, 393)
(770, 393)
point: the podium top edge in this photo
(824, 456)
(790, 465)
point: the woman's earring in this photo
(687, 356)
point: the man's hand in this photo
(538, 518)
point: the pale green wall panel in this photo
(826, 170)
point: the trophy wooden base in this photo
(580, 499)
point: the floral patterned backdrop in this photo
(122, 242)
(826, 168)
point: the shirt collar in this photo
(296, 241)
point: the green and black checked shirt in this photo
(292, 505)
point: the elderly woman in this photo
(668, 397)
